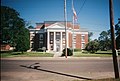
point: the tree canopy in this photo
(105, 40)
(13, 28)
(92, 46)
(117, 28)
(30, 27)
(90, 34)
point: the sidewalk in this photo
(55, 58)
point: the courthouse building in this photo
(51, 34)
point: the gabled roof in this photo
(60, 23)
(56, 25)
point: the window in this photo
(64, 42)
(63, 35)
(41, 36)
(63, 46)
(83, 37)
(74, 40)
(57, 36)
(51, 46)
(82, 45)
(51, 36)
(51, 42)
(40, 44)
(51, 33)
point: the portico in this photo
(56, 38)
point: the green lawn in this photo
(26, 54)
(77, 54)
(97, 54)
(42, 54)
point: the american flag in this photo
(74, 13)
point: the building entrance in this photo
(58, 41)
(57, 48)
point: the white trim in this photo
(55, 25)
(53, 30)
(54, 41)
(63, 30)
(82, 47)
(83, 42)
(61, 41)
(48, 39)
(81, 32)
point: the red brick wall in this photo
(78, 41)
(86, 38)
(70, 40)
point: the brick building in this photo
(51, 34)
(4, 47)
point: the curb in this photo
(56, 58)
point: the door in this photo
(57, 48)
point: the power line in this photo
(82, 6)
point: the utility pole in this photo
(114, 51)
(65, 22)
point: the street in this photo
(56, 69)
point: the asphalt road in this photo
(56, 70)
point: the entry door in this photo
(58, 41)
(57, 47)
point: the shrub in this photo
(44, 49)
(69, 52)
(92, 47)
(40, 50)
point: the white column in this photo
(61, 41)
(54, 41)
(48, 40)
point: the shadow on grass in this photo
(59, 73)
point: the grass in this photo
(91, 55)
(26, 54)
(41, 54)
(97, 54)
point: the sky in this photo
(92, 15)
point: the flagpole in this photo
(73, 36)
(73, 31)
(65, 22)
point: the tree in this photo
(90, 34)
(13, 28)
(69, 52)
(92, 46)
(117, 28)
(23, 40)
(8, 17)
(104, 40)
(30, 27)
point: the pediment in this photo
(55, 25)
